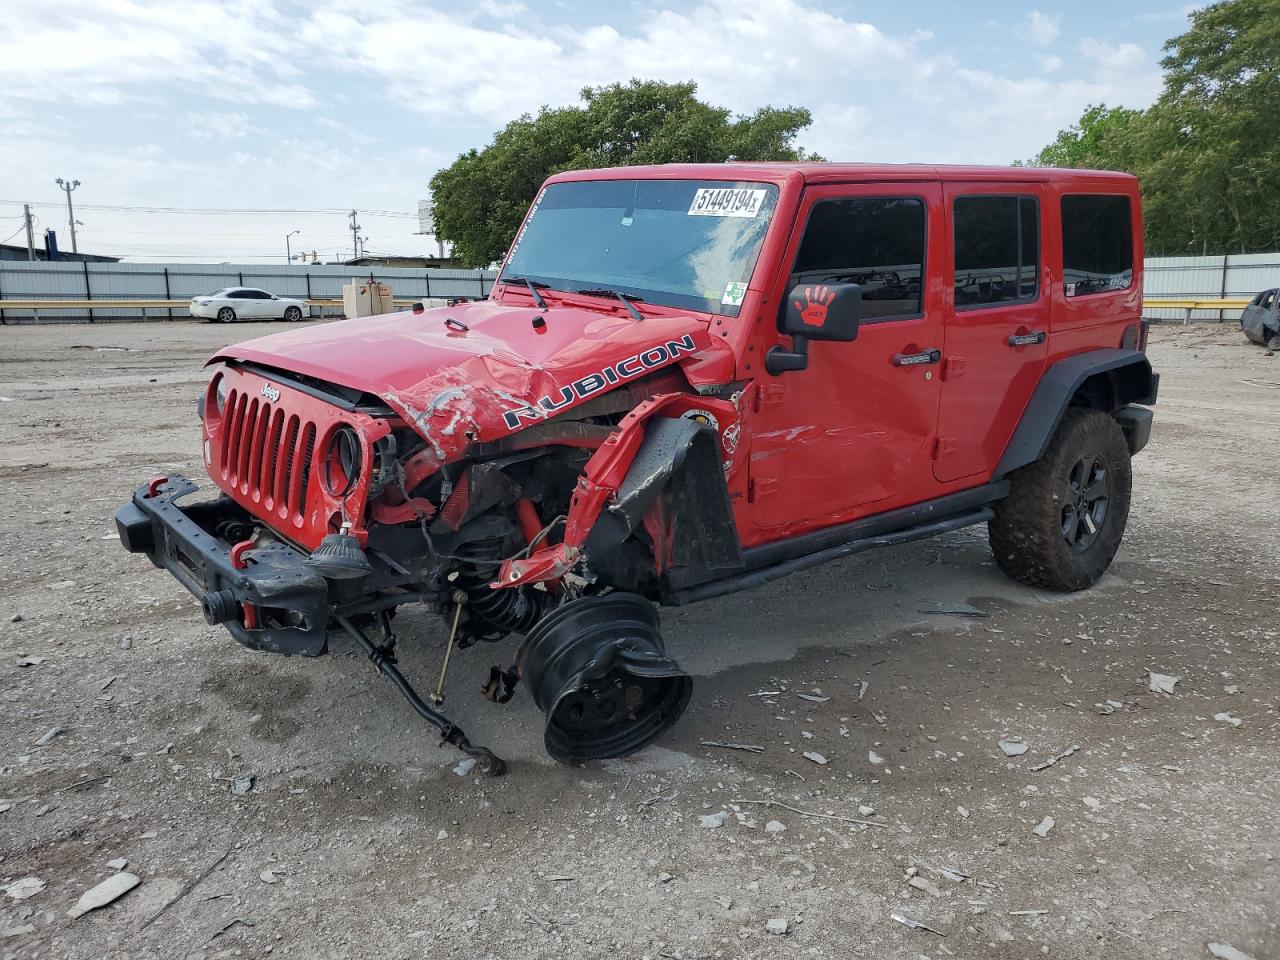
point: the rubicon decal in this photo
(655, 356)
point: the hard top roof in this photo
(846, 173)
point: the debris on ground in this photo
(915, 924)
(778, 927)
(814, 696)
(24, 888)
(1055, 758)
(775, 826)
(866, 810)
(875, 758)
(1027, 913)
(713, 820)
(922, 883)
(109, 890)
(955, 610)
(816, 757)
(1228, 717)
(18, 931)
(268, 876)
(1014, 748)
(1042, 828)
(227, 926)
(1224, 951)
(963, 811)
(726, 745)
(241, 785)
(48, 737)
(1161, 682)
(464, 767)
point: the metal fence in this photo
(1207, 278)
(23, 280)
(1175, 278)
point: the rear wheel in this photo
(293, 314)
(226, 315)
(1273, 342)
(1063, 520)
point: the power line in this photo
(221, 210)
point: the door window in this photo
(997, 250)
(875, 242)
(1097, 244)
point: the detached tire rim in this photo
(1084, 503)
(598, 669)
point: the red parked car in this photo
(678, 388)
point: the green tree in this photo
(482, 196)
(1103, 139)
(1208, 151)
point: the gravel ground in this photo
(358, 839)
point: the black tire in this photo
(293, 314)
(1062, 522)
(226, 315)
(1273, 342)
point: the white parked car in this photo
(246, 303)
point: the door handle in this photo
(1026, 339)
(915, 359)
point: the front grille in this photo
(266, 454)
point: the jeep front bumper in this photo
(263, 593)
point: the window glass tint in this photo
(997, 249)
(1097, 244)
(877, 243)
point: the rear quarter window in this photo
(1097, 244)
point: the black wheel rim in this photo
(1084, 504)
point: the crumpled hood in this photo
(488, 380)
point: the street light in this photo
(288, 259)
(71, 215)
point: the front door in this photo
(997, 324)
(853, 433)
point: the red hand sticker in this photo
(813, 308)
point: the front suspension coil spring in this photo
(505, 610)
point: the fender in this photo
(1108, 380)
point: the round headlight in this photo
(220, 395)
(343, 461)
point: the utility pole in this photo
(355, 237)
(288, 251)
(31, 237)
(67, 187)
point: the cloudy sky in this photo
(247, 105)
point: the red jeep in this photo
(687, 381)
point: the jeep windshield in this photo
(690, 244)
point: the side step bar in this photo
(776, 571)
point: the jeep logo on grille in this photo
(270, 392)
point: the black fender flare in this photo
(1112, 379)
(679, 460)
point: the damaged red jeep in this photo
(687, 381)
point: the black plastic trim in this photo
(1131, 379)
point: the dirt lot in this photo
(359, 840)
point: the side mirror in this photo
(816, 312)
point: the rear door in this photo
(997, 323)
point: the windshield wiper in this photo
(625, 298)
(533, 286)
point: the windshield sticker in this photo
(726, 202)
(734, 291)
